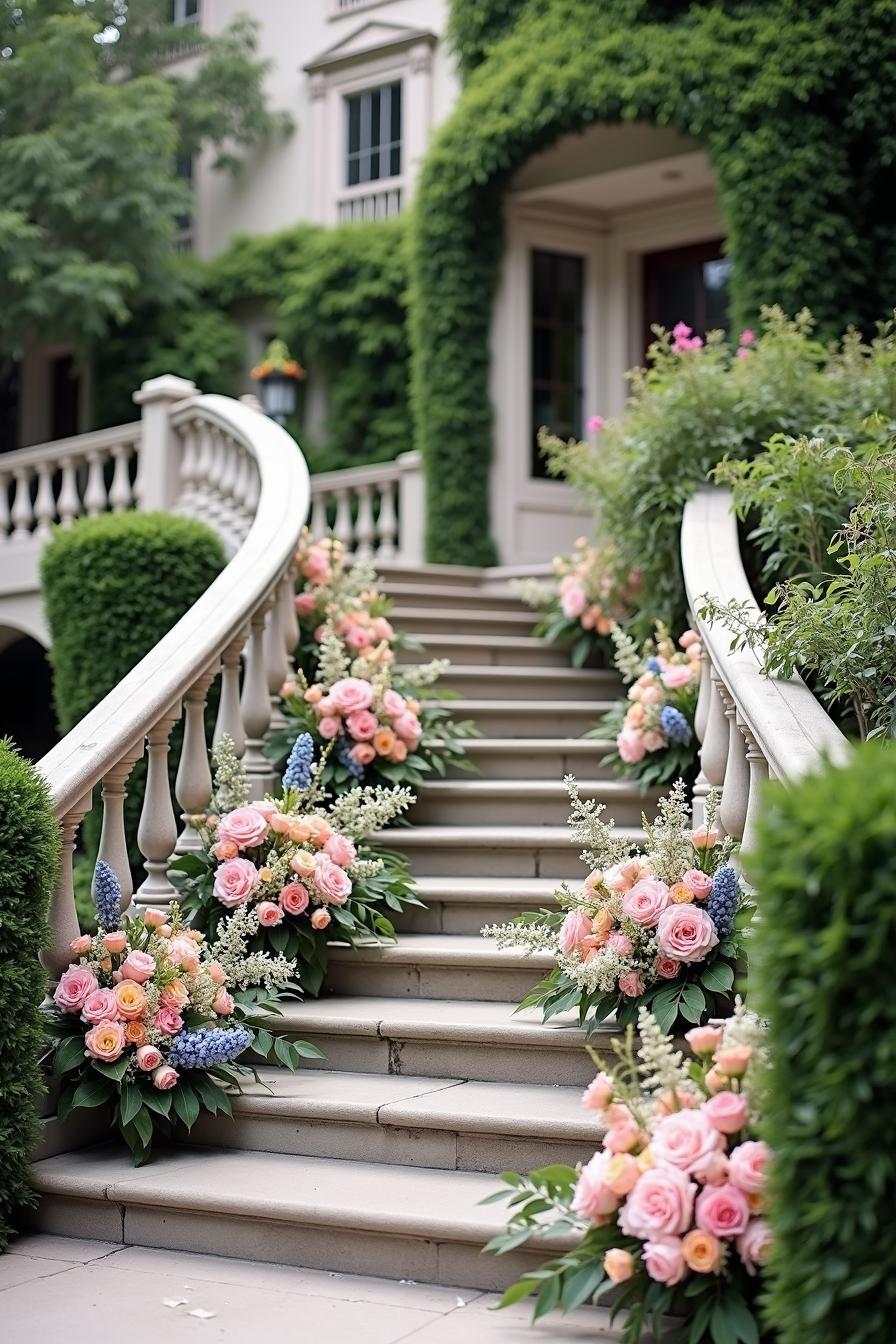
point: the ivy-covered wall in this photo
(790, 100)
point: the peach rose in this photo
(149, 1057)
(623, 876)
(333, 883)
(362, 725)
(280, 823)
(669, 1103)
(75, 983)
(704, 839)
(320, 919)
(598, 1094)
(225, 849)
(622, 1173)
(164, 1077)
(575, 927)
(619, 1265)
(105, 1041)
(100, 1006)
(269, 914)
(631, 984)
(680, 894)
(715, 1081)
(646, 901)
(131, 1000)
(664, 1260)
(408, 727)
(350, 694)
(622, 1136)
(660, 1205)
(384, 741)
(168, 1021)
(702, 1252)
(153, 918)
(748, 1166)
(722, 1210)
(175, 995)
(302, 862)
(620, 943)
(363, 753)
(393, 703)
(699, 883)
(247, 827)
(216, 972)
(685, 932)
(685, 1139)
(593, 1198)
(299, 831)
(115, 942)
(294, 898)
(319, 830)
(703, 1040)
(734, 1060)
(654, 741)
(727, 1111)
(341, 850)
(235, 882)
(753, 1244)
(135, 1033)
(222, 1003)
(183, 952)
(80, 946)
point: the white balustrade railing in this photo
(751, 726)
(376, 511)
(227, 463)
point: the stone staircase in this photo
(376, 1161)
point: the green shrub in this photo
(29, 857)
(113, 586)
(823, 962)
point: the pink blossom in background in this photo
(79, 946)
(748, 1164)
(727, 1111)
(305, 603)
(753, 1245)
(677, 675)
(703, 1040)
(598, 1094)
(747, 337)
(630, 745)
(594, 424)
(573, 600)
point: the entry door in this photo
(687, 284)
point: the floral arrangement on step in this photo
(654, 727)
(149, 1020)
(290, 873)
(661, 926)
(670, 1210)
(582, 602)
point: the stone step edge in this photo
(460, 951)
(609, 789)
(502, 837)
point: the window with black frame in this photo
(687, 284)
(557, 335)
(373, 135)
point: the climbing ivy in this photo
(788, 98)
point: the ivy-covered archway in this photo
(789, 99)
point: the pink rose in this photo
(320, 919)
(350, 694)
(280, 823)
(688, 638)
(754, 1244)
(363, 753)
(623, 1173)
(593, 1198)
(620, 943)
(598, 1095)
(168, 1021)
(722, 1210)
(622, 1136)
(324, 705)
(684, 1139)
(269, 915)
(333, 883)
(727, 1111)
(734, 1060)
(654, 741)
(703, 1040)
(302, 862)
(383, 629)
(294, 898)
(664, 1260)
(619, 1265)
(699, 883)
(216, 972)
(408, 727)
(164, 1077)
(184, 952)
(630, 745)
(704, 839)
(624, 875)
(651, 695)
(105, 1040)
(748, 1165)
(154, 918)
(631, 984)
(575, 927)
(149, 1057)
(99, 1005)
(677, 675)
(341, 850)
(175, 995)
(222, 1003)
(329, 727)
(305, 603)
(358, 638)
(667, 967)
(573, 599)
(75, 983)
(225, 849)
(235, 882)
(393, 703)
(115, 942)
(660, 1205)
(713, 1170)
(362, 725)
(247, 827)
(266, 808)
(80, 946)
(686, 932)
(138, 966)
(646, 901)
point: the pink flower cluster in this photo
(317, 857)
(383, 724)
(588, 590)
(669, 678)
(329, 600)
(686, 1177)
(132, 998)
(684, 340)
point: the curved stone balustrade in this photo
(375, 510)
(750, 726)
(224, 462)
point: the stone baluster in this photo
(342, 528)
(22, 514)
(203, 471)
(120, 493)
(229, 722)
(229, 478)
(157, 832)
(701, 718)
(242, 491)
(256, 705)
(364, 527)
(759, 774)
(216, 512)
(44, 503)
(714, 752)
(189, 465)
(387, 523)
(289, 620)
(253, 492)
(319, 525)
(193, 785)
(113, 848)
(95, 492)
(736, 788)
(275, 655)
(4, 508)
(69, 502)
(63, 915)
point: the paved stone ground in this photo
(54, 1288)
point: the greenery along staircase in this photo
(376, 1162)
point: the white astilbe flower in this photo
(601, 848)
(363, 810)
(245, 969)
(334, 662)
(416, 677)
(663, 1068)
(535, 593)
(669, 846)
(601, 974)
(364, 868)
(528, 938)
(627, 656)
(231, 784)
(745, 1027)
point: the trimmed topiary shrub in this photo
(113, 586)
(823, 962)
(29, 856)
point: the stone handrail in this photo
(750, 726)
(375, 510)
(230, 465)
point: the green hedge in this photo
(29, 856)
(113, 586)
(790, 101)
(826, 870)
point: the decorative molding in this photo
(371, 40)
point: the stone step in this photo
(435, 966)
(441, 1038)
(421, 619)
(493, 851)
(548, 685)
(466, 904)
(443, 596)
(321, 1213)
(393, 572)
(530, 718)
(444, 1123)
(525, 802)
(537, 758)
(489, 650)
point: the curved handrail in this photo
(77, 763)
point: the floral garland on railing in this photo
(670, 1211)
(582, 603)
(654, 727)
(290, 872)
(661, 927)
(149, 1020)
